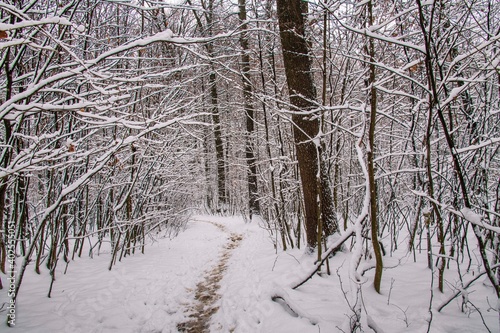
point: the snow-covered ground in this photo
(154, 292)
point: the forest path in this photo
(144, 293)
(206, 293)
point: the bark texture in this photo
(253, 203)
(302, 92)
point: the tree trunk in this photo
(435, 103)
(302, 93)
(253, 203)
(371, 164)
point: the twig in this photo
(390, 291)
(481, 315)
(335, 247)
(441, 307)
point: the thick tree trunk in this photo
(302, 92)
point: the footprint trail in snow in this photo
(206, 293)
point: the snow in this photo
(168, 33)
(471, 216)
(476, 219)
(30, 23)
(154, 292)
(487, 142)
(141, 294)
(7, 106)
(12, 42)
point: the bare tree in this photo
(305, 119)
(253, 202)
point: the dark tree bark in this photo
(214, 99)
(370, 157)
(302, 92)
(219, 144)
(4, 161)
(434, 103)
(253, 203)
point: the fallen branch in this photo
(452, 297)
(292, 308)
(281, 301)
(333, 248)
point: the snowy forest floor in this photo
(220, 275)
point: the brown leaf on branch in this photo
(414, 68)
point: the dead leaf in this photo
(413, 68)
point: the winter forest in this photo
(250, 166)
